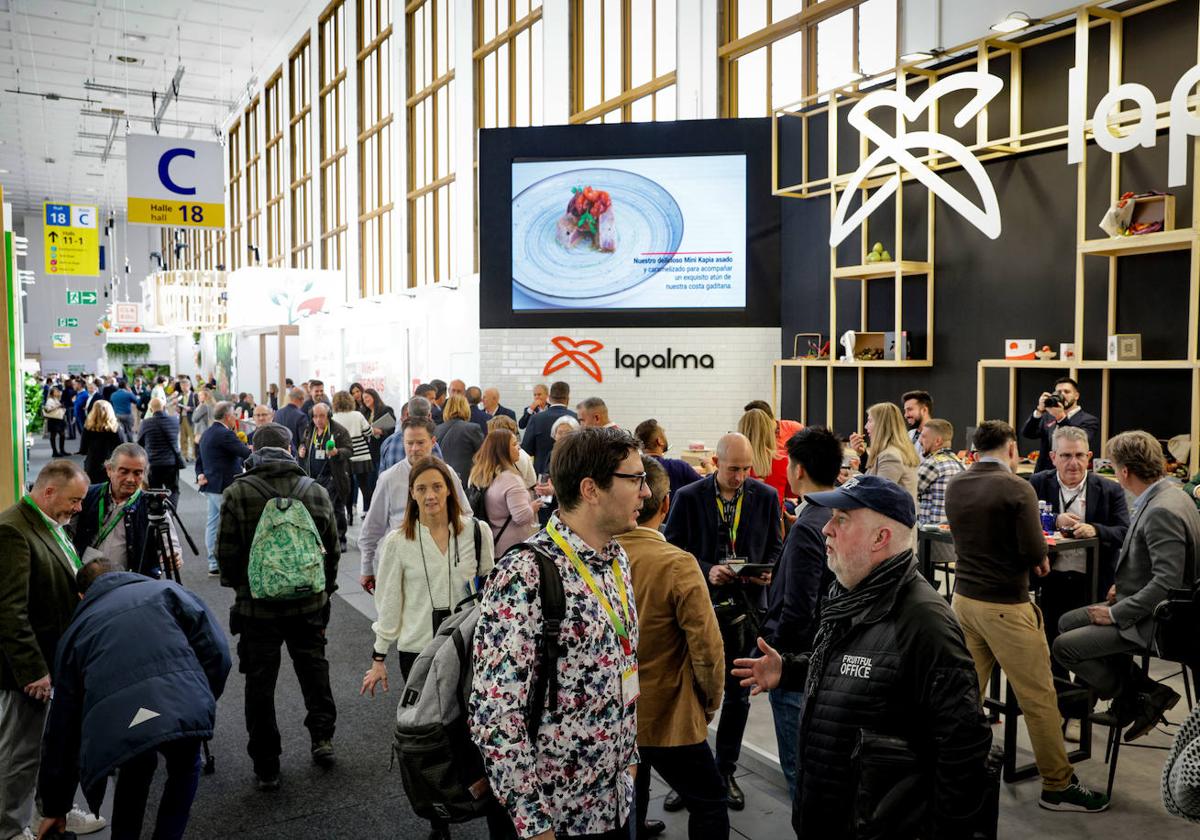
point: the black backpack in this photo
(441, 768)
(477, 496)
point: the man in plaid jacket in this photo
(935, 470)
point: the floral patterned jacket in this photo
(575, 779)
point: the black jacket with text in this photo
(898, 667)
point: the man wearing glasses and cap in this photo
(893, 741)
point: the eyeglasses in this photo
(640, 478)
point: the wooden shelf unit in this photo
(1113, 249)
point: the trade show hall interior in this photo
(851, 259)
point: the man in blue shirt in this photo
(122, 401)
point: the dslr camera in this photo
(1053, 401)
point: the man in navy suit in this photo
(725, 519)
(1085, 505)
(1063, 411)
(490, 407)
(218, 463)
(537, 441)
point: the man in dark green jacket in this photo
(37, 596)
(262, 625)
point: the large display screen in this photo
(629, 233)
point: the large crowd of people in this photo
(622, 598)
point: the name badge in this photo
(319, 454)
(630, 690)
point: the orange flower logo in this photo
(578, 352)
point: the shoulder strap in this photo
(554, 609)
(478, 544)
(267, 491)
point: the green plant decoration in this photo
(33, 406)
(124, 350)
(195, 336)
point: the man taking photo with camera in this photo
(115, 519)
(1058, 410)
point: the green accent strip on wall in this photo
(16, 353)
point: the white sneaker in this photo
(26, 834)
(1072, 733)
(81, 822)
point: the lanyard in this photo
(620, 627)
(119, 514)
(1065, 504)
(737, 518)
(57, 531)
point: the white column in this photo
(462, 208)
(696, 59)
(556, 62)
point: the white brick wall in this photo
(690, 404)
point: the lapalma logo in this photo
(898, 149)
(581, 353)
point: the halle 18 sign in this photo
(985, 215)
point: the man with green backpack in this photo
(278, 549)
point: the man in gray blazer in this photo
(1158, 554)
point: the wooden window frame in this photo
(441, 186)
(273, 168)
(333, 231)
(233, 143)
(482, 51)
(300, 136)
(375, 202)
(628, 95)
(253, 160)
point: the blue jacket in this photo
(294, 420)
(537, 441)
(392, 451)
(219, 458)
(480, 417)
(802, 577)
(81, 400)
(142, 663)
(159, 436)
(693, 525)
(1106, 511)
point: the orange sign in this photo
(581, 353)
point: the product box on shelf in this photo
(1066, 351)
(1152, 213)
(880, 345)
(1020, 348)
(1125, 347)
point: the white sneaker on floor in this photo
(1072, 733)
(25, 834)
(79, 821)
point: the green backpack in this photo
(287, 559)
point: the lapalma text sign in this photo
(582, 354)
(985, 215)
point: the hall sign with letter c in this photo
(176, 182)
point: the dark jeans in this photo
(57, 430)
(133, 789)
(339, 504)
(691, 771)
(258, 658)
(787, 707)
(364, 481)
(166, 478)
(735, 707)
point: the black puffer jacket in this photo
(159, 436)
(896, 666)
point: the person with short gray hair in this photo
(1097, 641)
(218, 462)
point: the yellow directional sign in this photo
(176, 182)
(71, 239)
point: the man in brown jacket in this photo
(680, 664)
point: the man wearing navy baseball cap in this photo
(889, 674)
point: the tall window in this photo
(764, 71)
(233, 147)
(508, 63)
(273, 161)
(859, 42)
(331, 101)
(251, 184)
(300, 149)
(623, 60)
(374, 146)
(430, 129)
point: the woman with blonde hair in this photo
(768, 463)
(102, 433)
(892, 455)
(458, 436)
(510, 513)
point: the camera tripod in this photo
(159, 512)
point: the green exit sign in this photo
(81, 298)
(68, 322)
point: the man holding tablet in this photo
(730, 522)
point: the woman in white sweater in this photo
(346, 415)
(511, 512)
(424, 570)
